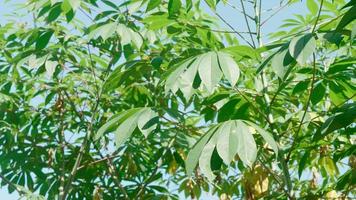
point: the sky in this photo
(234, 18)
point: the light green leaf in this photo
(227, 142)
(187, 78)
(172, 80)
(312, 6)
(114, 121)
(205, 157)
(127, 122)
(146, 115)
(280, 62)
(247, 149)
(242, 51)
(266, 136)
(229, 68)
(50, 67)
(194, 154)
(105, 31)
(209, 71)
(349, 16)
(128, 36)
(152, 4)
(67, 5)
(125, 129)
(302, 47)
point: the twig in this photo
(247, 24)
(273, 14)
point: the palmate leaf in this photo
(209, 67)
(229, 138)
(126, 122)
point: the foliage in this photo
(153, 99)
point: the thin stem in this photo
(231, 27)
(273, 14)
(62, 144)
(317, 18)
(305, 109)
(247, 23)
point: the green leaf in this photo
(211, 4)
(54, 13)
(127, 122)
(242, 51)
(105, 31)
(43, 40)
(338, 121)
(152, 4)
(227, 142)
(174, 7)
(312, 6)
(209, 71)
(247, 149)
(349, 16)
(229, 68)
(318, 93)
(194, 154)
(68, 5)
(303, 162)
(129, 36)
(114, 121)
(302, 47)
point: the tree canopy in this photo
(166, 99)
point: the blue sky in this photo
(229, 14)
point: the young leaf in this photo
(312, 6)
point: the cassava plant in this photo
(167, 99)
